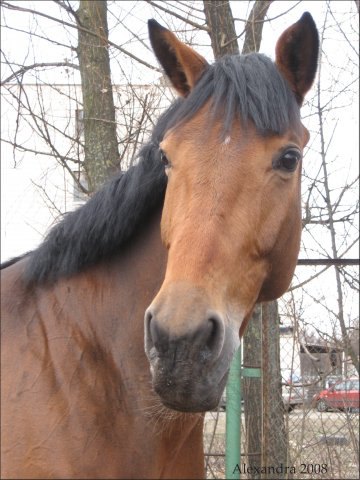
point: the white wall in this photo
(35, 189)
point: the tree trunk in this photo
(254, 26)
(222, 33)
(101, 149)
(252, 392)
(275, 439)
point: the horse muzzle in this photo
(189, 349)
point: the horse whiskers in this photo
(163, 419)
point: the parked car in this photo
(332, 380)
(292, 396)
(344, 395)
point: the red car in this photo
(343, 395)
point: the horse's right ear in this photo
(297, 54)
(181, 63)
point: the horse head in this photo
(231, 219)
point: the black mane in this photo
(247, 87)
(106, 221)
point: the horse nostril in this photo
(155, 337)
(207, 338)
(215, 334)
(149, 343)
(214, 329)
(148, 317)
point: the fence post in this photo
(233, 419)
(233, 414)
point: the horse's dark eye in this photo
(288, 161)
(164, 159)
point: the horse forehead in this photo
(204, 130)
(208, 148)
(203, 137)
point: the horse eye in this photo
(164, 159)
(288, 161)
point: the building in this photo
(42, 152)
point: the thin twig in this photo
(180, 17)
(78, 27)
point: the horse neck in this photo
(113, 295)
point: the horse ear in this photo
(297, 55)
(181, 63)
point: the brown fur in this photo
(202, 241)
(76, 389)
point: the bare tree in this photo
(89, 141)
(331, 215)
(254, 27)
(100, 142)
(221, 26)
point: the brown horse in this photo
(78, 397)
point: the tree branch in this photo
(254, 26)
(180, 17)
(78, 27)
(26, 68)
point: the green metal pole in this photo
(233, 419)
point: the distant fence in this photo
(318, 443)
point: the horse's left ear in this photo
(297, 55)
(181, 63)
